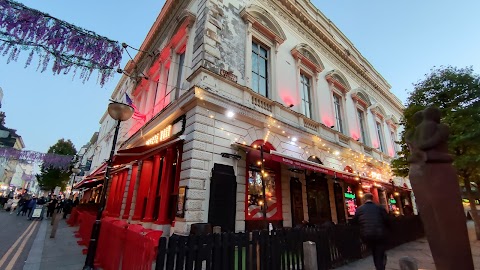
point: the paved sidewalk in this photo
(61, 252)
(419, 250)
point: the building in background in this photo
(250, 113)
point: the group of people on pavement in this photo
(26, 204)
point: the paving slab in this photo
(61, 252)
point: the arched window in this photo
(308, 66)
(264, 35)
(362, 102)
(339, 86)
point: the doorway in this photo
(296, 201)
(318, 199)
(223, 195)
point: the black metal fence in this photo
(279, 249)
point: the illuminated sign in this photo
(172, 130)
(350, 196)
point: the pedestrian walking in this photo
(373, 221)
(42, 202)
(52, 204)
(31, 206)
(14, 204)
(67, 208)
(60, 204)
(25, 204)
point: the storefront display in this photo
(259, 205)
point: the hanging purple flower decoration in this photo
(26, 29)
(48, 160)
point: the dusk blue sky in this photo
(402, 39)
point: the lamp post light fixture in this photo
(75, 172)
(119, 112)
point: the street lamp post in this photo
(119, 112)
(75, 172)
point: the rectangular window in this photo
(361, 123)
(380, 137)
(181, 61)
(338, 112)
(393, 136)
(260, 58)
(305, 92)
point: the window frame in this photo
(380, 135)
(340, 127)
(362, 125)
(268, 49)
(310, 87)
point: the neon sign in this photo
(172, 130)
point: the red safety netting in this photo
(120, 246)
(142, 245)
(86, 220)
(73, 219)
(111, 243)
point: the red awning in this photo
(95, 176)
(308, 165)
(141, 152)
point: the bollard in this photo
(408, 263)
(55, 222)
(310, 255)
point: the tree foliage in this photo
(456, 92)
(50, 177)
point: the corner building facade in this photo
(256, 112)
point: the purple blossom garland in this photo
(70, 47)
(49, 160)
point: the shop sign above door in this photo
(175, 129)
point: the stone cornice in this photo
(302, 22)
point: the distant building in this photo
(249, 113)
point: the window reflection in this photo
(257, 202)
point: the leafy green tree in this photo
(456, 92)
(50, 177)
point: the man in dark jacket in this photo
(373, 221)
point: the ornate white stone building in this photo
(255, 112)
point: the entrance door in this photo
(318, 199)
(296, 201)
(223, 195)
(339, 203)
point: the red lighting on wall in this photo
(355, 136)
(327, 121)
(287, 99)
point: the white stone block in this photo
(240, 215)
(194, 174)
(193, 205)
(196, 194)
(239, 226)
(241, 207)
(194, 216)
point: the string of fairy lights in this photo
(363, 165)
